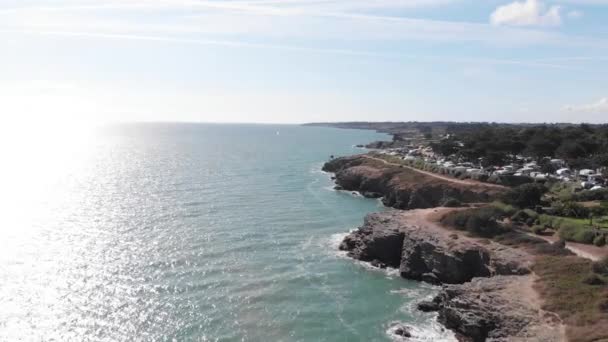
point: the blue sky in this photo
(303, 60)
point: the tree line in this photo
(581, 146)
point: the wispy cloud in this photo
(250, 19)
(598, 107)
(241, 44)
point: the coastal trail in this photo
(591, 252)
(434, 175)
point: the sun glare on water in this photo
(37, 156)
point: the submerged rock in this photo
(401, 330)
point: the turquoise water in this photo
(183, 232)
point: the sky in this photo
(295, 61)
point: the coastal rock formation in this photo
(425, 251)
(401, 187)
(500, 308)
(487, 291)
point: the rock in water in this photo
(401, 330)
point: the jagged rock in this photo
(484, 309)
(401, 330)
(338, 187)
(428, 306)
(378, 263)
(370, 243)
(427, 253)
(371, 194)
(430, 278)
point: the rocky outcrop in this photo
(428, 252)
(487, 292)
(501, 308)
(402, 188)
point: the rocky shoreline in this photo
(486, 289)
(403, 188)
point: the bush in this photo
(599, 240)
(552, 249)
(538, 229)
(525, 216)
(570, 209)
(507, 209)
(593, 279)
(576, 234)
(451, 203)
(525, 196)
(601, 267)
(588, 195)
(479, 221)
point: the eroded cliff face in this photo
(402, 188)
(428, 252)
(487, 291)
(500, 308)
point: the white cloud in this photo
(527, 13)
(598, 107)
(575, 14)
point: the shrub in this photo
(525, 216)
(552, 249)
(593, 279)
(576, 234)
(587, 195)
(601, 267)
(525, 196)
(599, 240)
(538, 229)
(570, 209)
(561, 243)
(479, 221)
(452, 203)
(507, 209)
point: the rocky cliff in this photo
(425, 251)
(480, 277)
(401, 187)
(500, 308)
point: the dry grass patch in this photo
(581, 306)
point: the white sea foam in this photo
(431, 331)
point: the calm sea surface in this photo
(181, 232)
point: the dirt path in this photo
(590, 252)
(434, 175)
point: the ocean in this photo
(192, 232)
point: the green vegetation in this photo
(581, 146)
(579, 296)
(525, 196)
(576, 234)
(507, 209)
(576, 229)
(477, 221)
(588, 195)
(601, 267)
